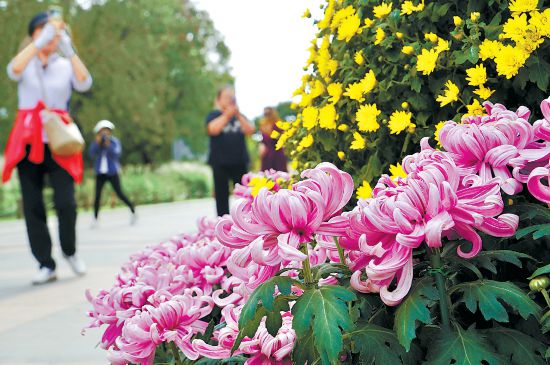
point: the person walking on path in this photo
(228, 155)
(46, 80)
(106, 150)
(271, 157)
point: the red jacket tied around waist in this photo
(27, 130)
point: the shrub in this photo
(381, 75)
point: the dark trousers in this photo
(223, 174)
(100, 181)
(31, 178)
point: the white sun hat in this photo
(103, 124)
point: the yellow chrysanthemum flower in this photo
(442, 45)
(358, 142)
(399, 121)
(364, 191)
(328, 117)
(317, 89)
(309, 117)
(484, 92)
(343, 127)
(425, 62)
(450, 94)
(539, 21)
(380, 36)
(438, 127)
(509, 60)
(432, 37)
(341, 155)
(341, 15)
(489, 49)
(382, 10)
(457, 21)
(258, 183)
(475, 108)
(358, 57)
(274, 134)
(515, 28)
(368, 82)
(522, 6)
(397, 171)
(474, 16)
(335, 91)
(368, 22)
(306, 142)
(355, 92)
(329, 12)
(349, 27)
(366, 118)
(408, 50)
(407, 8)
(282, 125)
(477, 75)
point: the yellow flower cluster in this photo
(526, 31)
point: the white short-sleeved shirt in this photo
(58, 78)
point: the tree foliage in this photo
(156, 66)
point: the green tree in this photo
(152, 64)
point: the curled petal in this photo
(536, 187)
(435, 228)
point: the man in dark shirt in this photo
(228, 156)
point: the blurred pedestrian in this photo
(271, 157)
(106, 150)
(228, 155)
(46, 80)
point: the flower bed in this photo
(420, 272)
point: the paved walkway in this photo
(41, 325)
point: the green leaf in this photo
(304, 350)
(516, 347)
(473, 54)
(264, 294)
(462, 347)
(538, 73)
(488, 295)
(487, 259)
(373, 167)
(520, 233)
(416, 85)
(326, 312)
(541, 271)
(415, 308)
(380, 346)
(262, 303)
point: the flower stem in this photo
(546, 297)
(340, 251)
(306, 266)
(175, 353)
(435, 259)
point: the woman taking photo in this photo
(228, 156)
(45, 81)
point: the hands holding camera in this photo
(103, 139)
(53, 29)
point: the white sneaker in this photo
(78, 266)
(44, 276)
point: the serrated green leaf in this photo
(264, 294)
(415, 308)
(487, 259)
(516, 347)
(488, 295)
(380, 346)
(325, 311)
(249, 328)
(541, 271)
(538, 73)
(416, 85)
(304, 350)
(520, 233)
(462, 347)
(273, 323)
